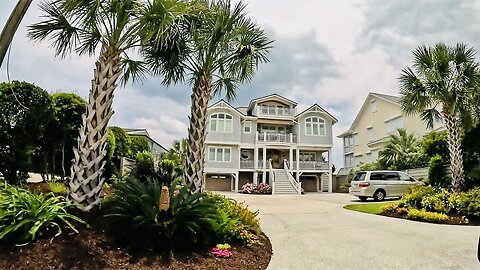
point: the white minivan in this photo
(381, 184)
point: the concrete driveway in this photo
(314, 232)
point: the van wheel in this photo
(379, 195)
(363, 198)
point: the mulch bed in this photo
(453, 219)
(93, 248)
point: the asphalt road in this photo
(315, 232)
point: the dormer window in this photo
(315, 126)
(221, 123)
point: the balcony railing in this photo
(313, 165)
(275, 111)
(277, 137)
(249, 164)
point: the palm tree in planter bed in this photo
(116, 28)
(219, 51)
(446, 78)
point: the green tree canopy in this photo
(25, 110)
(401, 152)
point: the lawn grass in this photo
(370, 208)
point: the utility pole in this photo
(11, 26)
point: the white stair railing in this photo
(271, 176)
(295, 184)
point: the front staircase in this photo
(282, 183)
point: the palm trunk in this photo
(454, 147)
(11, 26)
(86, 181)
(196, 133)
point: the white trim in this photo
(392, 118)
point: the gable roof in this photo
(142, 132)
(318, 109)
(274, 95)
(389, 98)
(393, 99)
(222, 101)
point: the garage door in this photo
(218, 183)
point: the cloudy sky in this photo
(327, 52)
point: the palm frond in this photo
(64, 34)
(133, 70)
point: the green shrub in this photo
(470, 202)
(414, 195)
(135, 219)
(26, 216)
(57, 188)
(436, 172)
(423, 215)
(442, 201)
(235, 221)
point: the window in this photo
(369, 157)
(392, 176)
(405, 177)
(370, 134)
(219, 154)
(315, 126)
(245, 154)
(274, 129)
(375, 154)
(346, 142)
(247, 127)
(377, 176)
(393, 124)
(307, 156)
(355, 138)
(221, 123)
(373, 106)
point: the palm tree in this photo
(443, 78)
(219, 51)
(115, 27)
(401, 152)
(11, 26)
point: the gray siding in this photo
(305, 139)
(234, 157)
(225, 137)
(249, 137)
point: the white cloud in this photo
(327, 52)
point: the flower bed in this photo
(251, 188)
(436, 205)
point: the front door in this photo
(275, 156)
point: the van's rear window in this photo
(359, 176)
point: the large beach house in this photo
(269, 142)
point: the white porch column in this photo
(290, 159)
(330, 174)
(236, 175)
(264, 174)
(298, 165)
(255, 165)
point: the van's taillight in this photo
(364, 184)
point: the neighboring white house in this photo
(379, 117)
(268, 142)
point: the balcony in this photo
(312, 165)
(249, 164)
(280, 112)
(277, 137)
